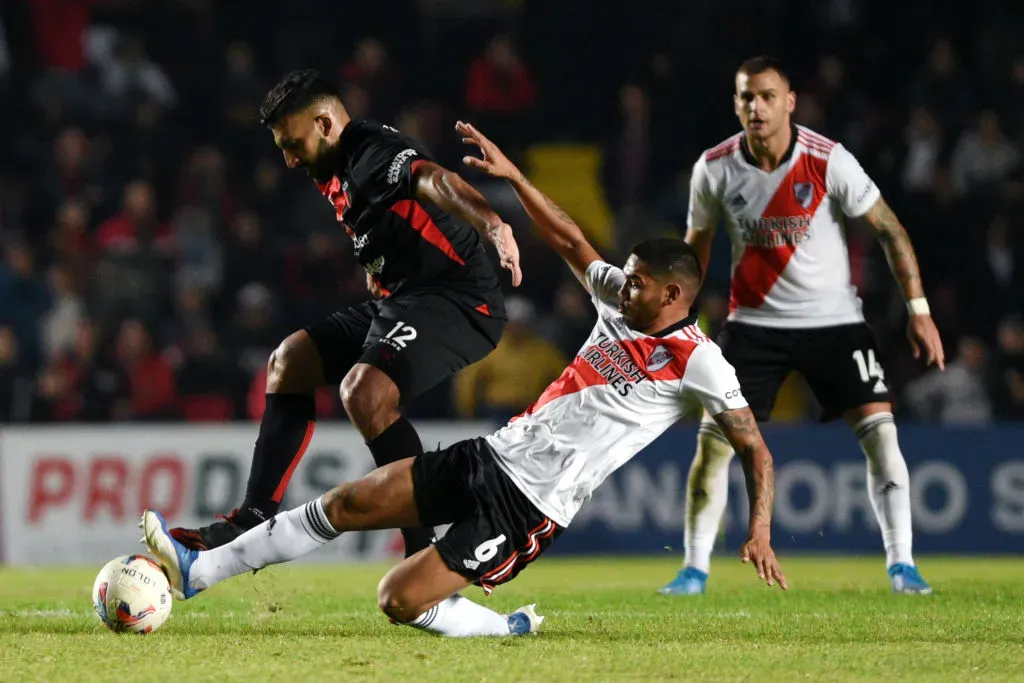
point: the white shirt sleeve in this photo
(711, 380)
(604, 282)
(705, 209)
(847, 182)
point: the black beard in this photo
(327, 163)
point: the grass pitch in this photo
(604, 622)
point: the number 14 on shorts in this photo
(870, 369)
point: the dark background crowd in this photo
(155, 249)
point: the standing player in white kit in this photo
(783, 192)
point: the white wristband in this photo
(918, 306)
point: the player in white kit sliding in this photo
(784, 193)
(509, 495)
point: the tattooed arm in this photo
(449, 191)
(898, 251)
(739, 427)
(921, 331)
(554, 225)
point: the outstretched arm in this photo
(921, 331)
(741, 429)
(436, 184)
(554, 225)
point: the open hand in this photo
(493, 161)
(758, 549)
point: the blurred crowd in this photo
(155, 249)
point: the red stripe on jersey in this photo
(660, 359)
(383, 290)
(578, 376)
(341, 200)
(421, 222)
(814, 146)
(482, 309)
(760, 267)
(814, 142)
(817, 138)
(724, 149)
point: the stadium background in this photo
(155, 249)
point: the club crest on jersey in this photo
(659, 358)
(804, 193)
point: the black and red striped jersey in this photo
(405, 244)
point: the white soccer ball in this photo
(131, 595)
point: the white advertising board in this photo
(73, 495)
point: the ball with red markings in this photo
(131, 595)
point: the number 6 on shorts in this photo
(488, 549)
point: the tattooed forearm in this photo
(898, 250)
(741, 429)
(555, 226)
(523, 182)
(453, 194)
(759, 473)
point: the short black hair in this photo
(761, 63)
(296, 91)
(670, 257)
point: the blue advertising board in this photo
(967, 492)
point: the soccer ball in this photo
(131, 595)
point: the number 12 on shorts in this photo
(867, 365)
(401, 334)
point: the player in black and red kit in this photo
(438, 307)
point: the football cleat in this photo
(689, 581)
(524, 620)
(175, 558)
(219, 533)
(907, 580)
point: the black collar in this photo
(749, 158)
(675, 327)
(345, 142)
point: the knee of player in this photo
(391, 601)
(290, 365)
(364, 393)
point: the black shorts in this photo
(417, 339)
(842, 364)
(496, 531)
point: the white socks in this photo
(296, 532)
(888, 485)
(459, 617)
(282, 538)
(707, 491)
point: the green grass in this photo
(605, 622)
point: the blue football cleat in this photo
(524, 620)
(175, 558)
(907, 580)
(689, 581)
